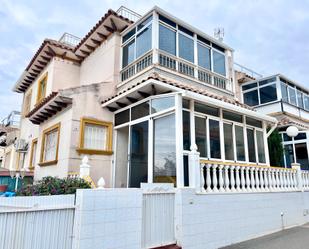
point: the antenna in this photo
(219, 33)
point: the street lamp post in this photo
(292, 131)
(18, 174)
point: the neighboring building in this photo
(288, 102)
(135, 97)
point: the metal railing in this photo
(127, 13)
(247, 71)
(69, 39)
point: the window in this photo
(143, 41)
(292, 95)
(249, 86)
(27, 103)
(251, 145)
(232, 116)
(200, 136)
(284, 92)
(306, 102)
(214, 138)
(34, 146)
(128, 53)
(95, 137)
(186, 48)
(167, 40)
(240, 147)
(219, 63)
(160, 104)
(41, 88)
(140, 110)
(228, 141)
(206, 109)
(122, 117)
(260, 146)
(251, 98)
(254, 122)
(300, 99)
(268, 94)
(264, 82)
(186, 130)
(49, 145)
(203, 56)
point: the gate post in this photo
(194, 168)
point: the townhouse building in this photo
(136, 95)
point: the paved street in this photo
(294, 238)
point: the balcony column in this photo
(179, 141)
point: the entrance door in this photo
(138, 154)
(121, 170)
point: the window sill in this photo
(93, 152)
(42, 164)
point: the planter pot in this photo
(3, 188)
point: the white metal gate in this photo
(36, 223)
(158, 219)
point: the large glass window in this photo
(249, 86)
(302, 155)
(160, 104)
(186, 48)
(206, 109)
(122, 117)
(268, 94)
(143, 41)
(164, 149)
(128, 53)
(251, 145)
(289, 155)
(200, 136)
(186, 130)
(292, 94)
(203, 56)
(167, 39)
(140, 110)
(214, 138)
(284, 92)
(219, 63)
(232, 116)
(240, 147)
(300, 99)
(251, 98)
(260, 146)
(49, 145)
(228, 141)
(306, 100)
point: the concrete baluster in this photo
(266, 182)
(252, 179)
(257, 180)
(261, 171)
(242, 179)
(232, 179)
(270, 179)
(221, 183)
(208, 178)
(248, 180)
(237, 179)
(226, 178)
(214, 178)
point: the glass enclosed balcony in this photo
(160, 41)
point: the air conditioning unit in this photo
(21, 145)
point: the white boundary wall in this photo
(216, 220)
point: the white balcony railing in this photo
(127, 13)
(69, 39)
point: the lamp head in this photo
(292, 131)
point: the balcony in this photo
(127, 13)
(177, 65)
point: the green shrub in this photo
(275, 149)
(53, 186)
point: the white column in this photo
(155, 38)
(266, 144)
(194, 168)
(298, 178)
(179, 141)
(150, 149)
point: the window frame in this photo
(34, 141)
(40, 96)
(109, 142)
(56, 127)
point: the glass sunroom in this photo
(156, 125)
(162, 40)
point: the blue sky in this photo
(269, 36)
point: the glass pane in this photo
(143, 42)
(121, 166)
(264, 82)
(164, 149)
(160, 104)
(251, 98)
(139, 154)
(300, 136)
(268, 94)
(260, 145)
(206, 109)
(128, 35)
(186, 130)
(200, 136)
(251, 145)
(167, 40)
(140, 111)
(302, 155)
(203, 56)
(286, 137)
(128, 53)
(144, 23)
(50, 147)
(254, 122)
(167, 21)
(289, 155)
(240, 147)
(232, 116)
(219, 63)
(247, 87)
(186, 170)
(34, 154)
(300, 99)
(214, 138)
(186, 48)
(307, 102)
(292, 94)
(186, 103)
(122, 117)
(284, 92)
(95, 137)
(228, 141)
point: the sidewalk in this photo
(294, 238)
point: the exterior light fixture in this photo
(292, 131)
